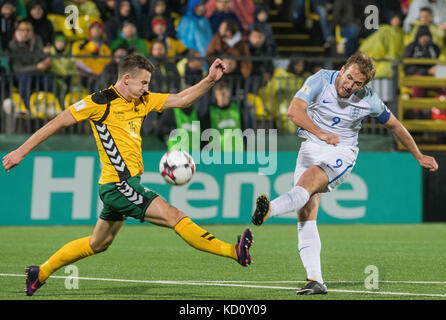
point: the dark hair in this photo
(123, 46)
(160, 42)
(19, 22)
(258, 29)
(428, 9)
(231, 25)
(220, 85)
(132, 63)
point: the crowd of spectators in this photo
(58, 45)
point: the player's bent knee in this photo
(163, 214)
(99, 247)
(174, 216)
(313, 180)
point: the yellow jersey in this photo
(116, 124)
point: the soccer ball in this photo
(177, 167)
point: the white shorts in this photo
(337, 162)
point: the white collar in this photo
(235, 39)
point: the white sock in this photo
(291, 201)
(309, 245)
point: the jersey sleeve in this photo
(155, 101)
(378, 109)
(88, 108)
(312, 87)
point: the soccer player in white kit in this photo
(329, 109)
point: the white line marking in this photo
(244, 284)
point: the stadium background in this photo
(382, 216)
(56, 183)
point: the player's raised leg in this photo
(309, 246)
(163, 214)
(314, 179)
(99, 241)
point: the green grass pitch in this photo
(152, 263)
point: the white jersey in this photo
(342, 116)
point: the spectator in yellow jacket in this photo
(286, 80)
(425, 18)
(95, 46)
(385, 43)
(174, 46)
(63, 66)
(85, 7)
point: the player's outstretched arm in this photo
(401, 133)
(12, 159)
(188, 96)
(297, 113)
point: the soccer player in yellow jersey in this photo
(116, 115)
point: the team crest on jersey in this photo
(355, 112)
(306, 89)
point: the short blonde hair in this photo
(365, 64)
